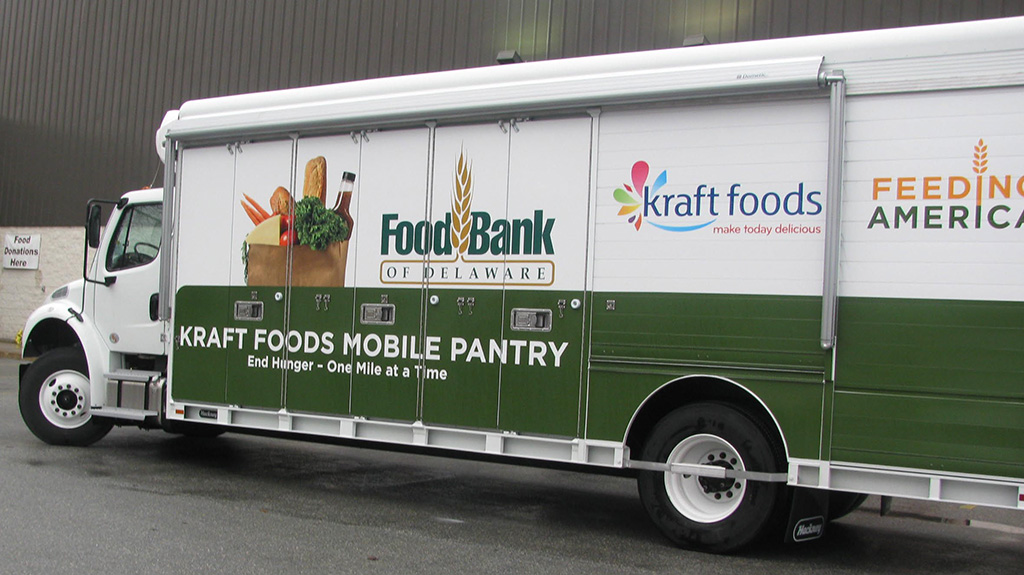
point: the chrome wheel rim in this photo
(705, 499)
(64, 399)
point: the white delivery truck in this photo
(767, 277)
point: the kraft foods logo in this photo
(732, 209)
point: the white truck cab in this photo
(109, 316)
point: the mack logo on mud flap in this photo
(809, 529)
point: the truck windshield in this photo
(137, 238)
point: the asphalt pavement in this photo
(146, 501)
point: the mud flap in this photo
(808, 515)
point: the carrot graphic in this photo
(259, 209)
(253, 215)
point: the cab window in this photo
(137, 237)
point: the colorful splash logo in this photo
(641, 201)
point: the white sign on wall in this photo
(21, 252)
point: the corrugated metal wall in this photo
(85, 83)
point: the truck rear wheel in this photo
(843, 503)
(717, 515)
(54, 400)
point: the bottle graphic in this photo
(348, 183)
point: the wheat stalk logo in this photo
(980, 157)
(462, 197)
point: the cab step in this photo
(131, 394)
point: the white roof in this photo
(948, 56)
(146, 195)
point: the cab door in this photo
(125, 309)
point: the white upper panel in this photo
(934, 196)
(725, 198)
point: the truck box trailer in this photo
(766, 277)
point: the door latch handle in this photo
(377, 314)
(324, 298)
(530, 319)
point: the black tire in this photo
(54, 400)
(716, 515)
(842, 503)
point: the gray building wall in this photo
(85, 83)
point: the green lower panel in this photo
(220, 359)
(198, 372)
(795, 401)
(955, 435)
(467, 393)
(937, 347)
(384, 380)
(762, 332)
(919, 383)
(540, 392)
(931, 383)
(319, 378)
(255, 369)
(767, 344)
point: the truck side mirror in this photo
(92, 226)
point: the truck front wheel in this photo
(711, 514)
(54, 400)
